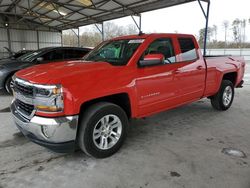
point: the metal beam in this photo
(77, 35)
(12, 5)
(9, 40)
(6, 14)
(38, 40)
(101, 30)
(138, 25)
(206, 15)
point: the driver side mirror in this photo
(39, 59)
(151, 60)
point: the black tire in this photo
(88, 122)
(7, 85)
(217, 100)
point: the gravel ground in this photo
(178, 148)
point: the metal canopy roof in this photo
(68, 14)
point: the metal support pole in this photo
(78, 37)
(206, 15)
(138, 25)
(9, 41)
(61, 38)
(140, 22)
(101, 30)
(206, 30)
(37, 39)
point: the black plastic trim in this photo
(62, 147)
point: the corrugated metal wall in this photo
(3, 42)
(27, 39)
(47, 39)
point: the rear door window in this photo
(188, 50)
(53, 55)
(57, 54)
(73, 53)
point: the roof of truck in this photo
(143, 36)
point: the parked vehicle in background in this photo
(88, 103)
(45, 55)
(15, 55)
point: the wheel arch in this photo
(231, 76)
(120, 99)
(10, 74)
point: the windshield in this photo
(117, 52)
(30, 56)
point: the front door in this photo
(156, 85)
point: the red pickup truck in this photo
(88, 103)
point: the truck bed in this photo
(217, 66)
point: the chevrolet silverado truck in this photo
(87, 103)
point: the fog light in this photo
(48, 131)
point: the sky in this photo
(188, 18)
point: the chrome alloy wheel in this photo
(107, 132)
(227, 95)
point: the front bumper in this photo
(57, 134)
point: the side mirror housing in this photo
(151, 60)
(39, 59)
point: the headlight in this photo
(48, 98)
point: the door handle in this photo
(199, 67)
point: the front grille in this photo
(23, 89)
(24, 108)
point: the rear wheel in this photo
(224, 98)
(103, 129)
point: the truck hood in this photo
(55, 73)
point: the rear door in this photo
(190, 75)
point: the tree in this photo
(112, 30)
(202, 35)
(92, 37)
(225, 25)
(243, 26)
(237, 31)
(215, 30)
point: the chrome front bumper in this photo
(58, 134)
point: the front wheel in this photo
(103, 129)
(224, 98)
(8, 85)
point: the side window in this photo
(53, 55)
(73, 53)
(57, 54)
(188, 50)
(81, 53)
(47, 56)
(162, 46)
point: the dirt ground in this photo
(180, 148)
